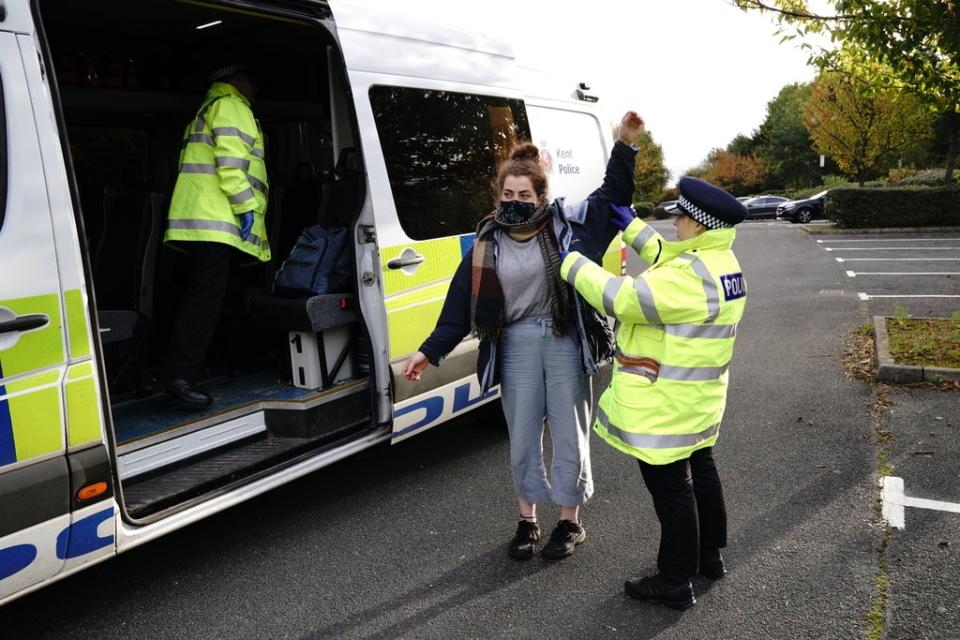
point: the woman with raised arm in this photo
(538, 340)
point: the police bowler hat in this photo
(709, 205)
(228, 71)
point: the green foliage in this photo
(899, 312)
(904, 46)
(898, 207)
(643, 209)
(783, 140)
(927, 178)
(668, 194)
(865, 131)
(651, 174)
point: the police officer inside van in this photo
(218, 207)
(668, 391)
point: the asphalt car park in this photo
(912, 274)
(916, 275)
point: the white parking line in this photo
(894, 240)
(871, 296)
(854, 274)
(897, 259)
(895, 502)
(890, 248)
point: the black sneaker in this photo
(524, 540)
(565, 537)
(656, 590)
(711, 565)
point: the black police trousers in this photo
(688, 498)
(199, 310)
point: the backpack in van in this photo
(319, 263)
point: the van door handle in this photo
(406, 260)
(24, 323)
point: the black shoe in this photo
(183, 391)
(524, 540)
(711, 565)
(656, 590)
(565, 537)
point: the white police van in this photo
(373, 122)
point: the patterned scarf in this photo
(487, 305)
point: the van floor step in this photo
(157, 491)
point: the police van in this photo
(373, 121)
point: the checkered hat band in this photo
(701, 216)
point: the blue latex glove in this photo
(563, 254)
(621, 215)
(246, 224)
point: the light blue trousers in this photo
(541, 378)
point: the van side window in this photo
(441, 151)
(3, 156)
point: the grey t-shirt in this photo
(523, 278)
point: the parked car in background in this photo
(802, 211)
(763, 206)
(668, 205)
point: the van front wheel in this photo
(804, 216)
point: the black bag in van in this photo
(319, 263)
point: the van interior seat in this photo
(125, 261)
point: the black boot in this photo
(656, 590)
(711, 565)
(183, 390)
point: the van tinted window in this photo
(441, 150)
(3, 156)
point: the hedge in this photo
(893, 207)
(660, 213)
(643, 209)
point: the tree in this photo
(742, 145)
(740, 175)
(910, 46)
(783, 140)
(864, 131)
(651, 174)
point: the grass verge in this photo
(932, 342)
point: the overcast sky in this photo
(698, 71)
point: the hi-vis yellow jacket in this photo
(677, 325)
(222, 175)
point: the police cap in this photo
(709, 205)
(226, 72)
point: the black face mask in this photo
(515, 211)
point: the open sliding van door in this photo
(437, 110)
(56, 487)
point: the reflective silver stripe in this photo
(639, 371)
(572, 274)
(645, 298)
(709, 285)
(215, 225)
(708, 331)
(200, 123)
(609, 293)
(202, 137)
(236, 163)
(642, 238)
(243, 196)
(256, 184)
(257, 152)
(234, 131)
(196, 167)
(691, 374)
(652, 441)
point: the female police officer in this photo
(668, 391)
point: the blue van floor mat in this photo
(139, 418)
